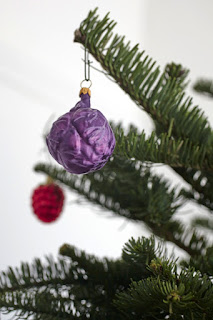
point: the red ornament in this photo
(47, 202)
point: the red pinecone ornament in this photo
(47, 202)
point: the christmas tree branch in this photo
(162, 149)
(185, 295)
(202, 263)
(160, 96)
(123, 185)
(93, 297)
(186, 239)
(77, 280)
(181, 156)
(204, 87)
(38, 275)
(203, 222)
(139, 284)
(41, 305)
(201, 183)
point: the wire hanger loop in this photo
(87, 63)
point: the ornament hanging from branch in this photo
(47, 201)
(81, 140)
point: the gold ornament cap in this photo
(49, 180)
(85, 91)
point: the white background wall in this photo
(40, 72)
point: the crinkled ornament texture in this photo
(81, 140)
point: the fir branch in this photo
(144, 253)
(103, 272)
(176, 71)
(160, 96)
(162, 149)
(128, 190)
(124, 187)
(156, 285)
(201, 186)
(188, 295)
(38, 305)
(136, 255)
(202, 263)
(140, 252)
(93, 297)
(204, 87)
(186, 239)
(38, 274)
(87, 293)
(203, 222)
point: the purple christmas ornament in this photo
(81, 140)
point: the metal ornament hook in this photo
(87, 63)
(87, 80)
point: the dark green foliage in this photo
(201, 183)
(144, 283)
(187, 296)
(121, 184)
(176, 71)
(68, 289)
(203, 263)
(162, 148)
(78, 286)
(129, 189)
(161, 95)
(140, 252)
(205, 87)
